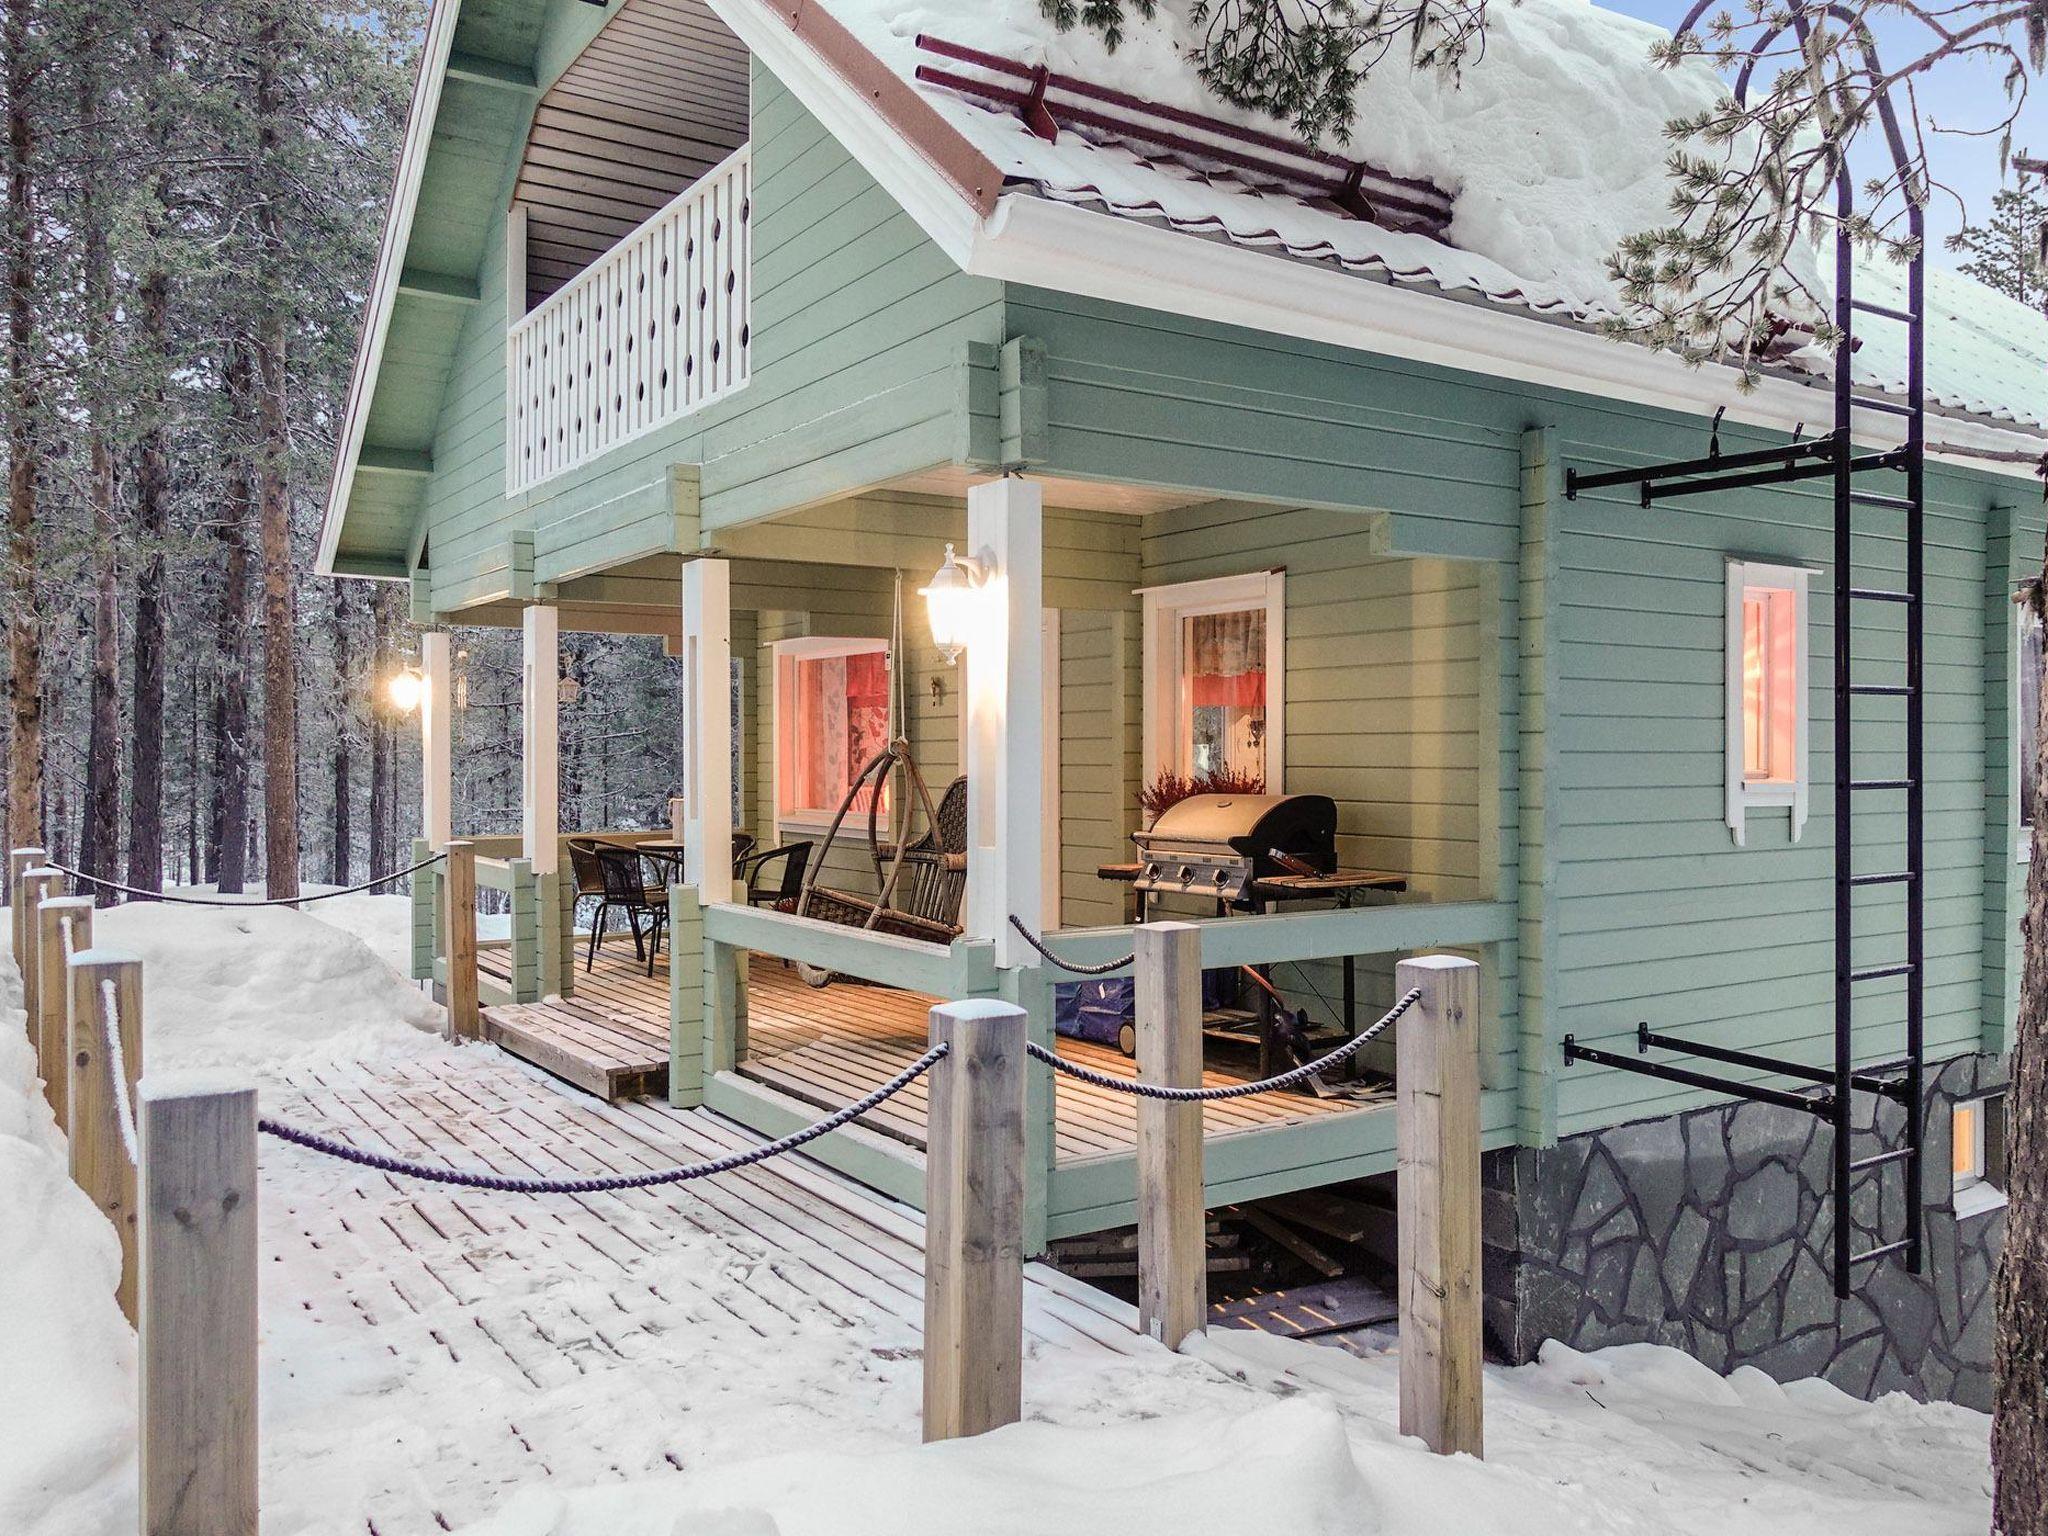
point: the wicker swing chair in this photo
(919, 883)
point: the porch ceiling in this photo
(657, 99)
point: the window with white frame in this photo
(1767, 706)
(1214, 678)
(831, 718)
(1977, 1144)
(2026, 718)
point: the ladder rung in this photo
(1880, 595)
(1896, 1155)
(1880, 783)
(1881, 690)
(1880, 1251)
(1879, 972)
(1901, 878)
(1882, 499)
(1872, 307)
(1889, 407)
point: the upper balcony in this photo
(655, 328)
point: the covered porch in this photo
(1115, 639)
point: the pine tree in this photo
(2006, 251)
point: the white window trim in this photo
(2022, 834)
(1165, 607)
(1976, 1194)
(1743, 797)
(810, 648)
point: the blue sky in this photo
(1965, 94)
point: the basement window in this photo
(831, 718)
(1767, 707)
(1977, 1140)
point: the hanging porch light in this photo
(951, 603)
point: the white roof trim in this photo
(1056, 245)
(906, 175)
(405, 194)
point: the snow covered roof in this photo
(1552, 148)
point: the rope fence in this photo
(731, 1162)
(1075, 967)
(274, 901)
(1301, 1074)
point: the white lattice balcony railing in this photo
(654, 329)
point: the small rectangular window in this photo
(1977, 1147)
(1767, 692)
(2026, 716)
(831, 718)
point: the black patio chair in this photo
(795, 859)
(624, 882)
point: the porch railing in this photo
(657, 327)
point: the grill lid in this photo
(1304, 826)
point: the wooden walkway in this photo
(827, 1047)
(545, 1314)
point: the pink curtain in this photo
(1226, 660)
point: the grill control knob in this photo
(1223, 877)
(1152, 871)
(1187, 874)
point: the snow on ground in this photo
(691, 1349)
(67, 1356)
(249, 986)
(1259, 1434)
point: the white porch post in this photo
(437, 764)
(540, 817)
(707, 728)
(1005, 717)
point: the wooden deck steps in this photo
(610, 1038)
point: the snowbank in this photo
(263, 986)
(67, 1356)
(1637, 1439)
(1552, 141)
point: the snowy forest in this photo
(193, 199)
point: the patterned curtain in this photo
(1226, 659)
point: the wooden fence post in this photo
(1437, 1110)
(458, 895)
(36, 885)
(19, 862)
(974, 1221)
(1173, 1275)
(100, 1163)
(58, 917)
(198, 1329)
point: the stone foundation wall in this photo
(1711, 1231)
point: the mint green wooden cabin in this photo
(703, 319)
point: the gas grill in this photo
(1224, 846)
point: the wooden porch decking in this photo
(826, 1047)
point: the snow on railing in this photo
(654, 329)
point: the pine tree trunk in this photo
(24, 624)
(280, 652)
(152, 482)
(343, 833)
(2019, 1410)
(230, 867)
(98, 851)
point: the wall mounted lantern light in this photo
(950, 600)
(405, 689)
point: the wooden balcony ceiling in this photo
(657, 98)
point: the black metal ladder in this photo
(1860, 512)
